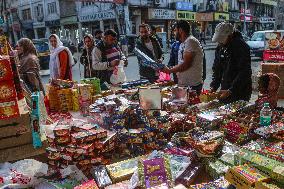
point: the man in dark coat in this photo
(232, 65)
(151, 47)
(86, 57)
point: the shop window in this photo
(51, 8)
(26, 14)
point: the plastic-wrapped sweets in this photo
(147, 61)
(101, 176)
(155, 173)
(217, 184)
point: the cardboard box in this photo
(265, 185)
(16, 140)
(14, 126)
(244, 177)
(20, 152)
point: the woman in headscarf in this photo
(29, 65)
(86, 57)
(61, 60)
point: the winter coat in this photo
(86, 60)
(29, 72)
(232, 69)
(144, 71)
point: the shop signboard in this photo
(269, 2)
(185, 15)
(217, 5)
(221, 16)
(52, 23)
(95, 16)
(204, 17)
(274, 46)
(69, 20)
(186, 6)
(266, 20)
(161, 14)
(39, 24)
(248, 18)
(110, 1)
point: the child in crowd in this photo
(268, 86)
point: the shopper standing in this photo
(151, 47)
(232, 65)
(190, 59)
(29, 65)
(61, 59)
(86, 57)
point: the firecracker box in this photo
(244, 177)
(278, 69)
(9, 109)
(7, 90)
(6, 72)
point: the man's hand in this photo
(166, 70)
(224, 94)
(125, 63)
(160, 61)
(114, 63)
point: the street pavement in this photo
(132, 71)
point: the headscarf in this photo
(89, 36)
(28, 46)
(54, 64)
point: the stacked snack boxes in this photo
(95, 85)
(79, 143)
(62, 96)
(85, 98)
(8, 95)
(35, 120)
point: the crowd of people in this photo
(101, 54)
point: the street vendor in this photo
(232, 65)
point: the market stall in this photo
(142, 135)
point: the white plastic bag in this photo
(118, 75)
(22, 174)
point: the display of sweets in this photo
(134, 84)
(101, 176)
(121, 185)
(95, 84)
(88, 185)
(155, 173)
(191, 173)
(123, 170)
(273, 130)
(216, 169)
(269, 166)
(244, 177)
(207, 96)
(221, 183)
(270, 149)
(234, 106)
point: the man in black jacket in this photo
(86, 57)
(232, 65)
(151, 47)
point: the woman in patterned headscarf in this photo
(268, 86)
(29, 65)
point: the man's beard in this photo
(177, 37)
(144, 38)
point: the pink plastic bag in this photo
(164, 76)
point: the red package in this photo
(5, 70)
(9, 109)
(7, 90)
(88, 185)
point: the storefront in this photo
(39, 29)
(53, 26)
(266, 23)
(69, 28)
(98, 20)
(28, 29)
(205, 19)
(161, 19)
